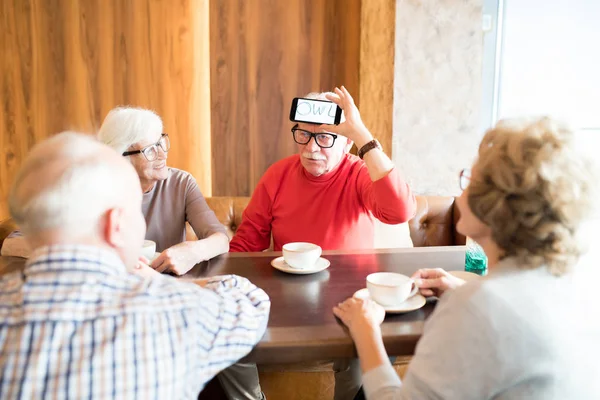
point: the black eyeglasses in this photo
(151, 151)
(464, 178)
(322, 139)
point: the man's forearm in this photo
(236, 313)
(378, 163)
(236, 287)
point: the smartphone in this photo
(315, 111)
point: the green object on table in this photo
(475, 258)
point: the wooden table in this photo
(302, 326)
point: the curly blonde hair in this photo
(533, 189)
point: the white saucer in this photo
(413, 303)
(280, 264)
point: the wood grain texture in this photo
(66, 63)
(377, 43)
(263, 54)
(311, 332)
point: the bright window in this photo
(550, 61)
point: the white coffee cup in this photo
(301, 255)
(148, 249)
(390, 288)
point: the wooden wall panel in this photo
(65, 63)
(377, 43)
(263, 54)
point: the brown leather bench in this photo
(6, 227)
(433, 225)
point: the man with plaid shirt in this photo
(76, 323)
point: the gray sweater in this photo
(516, 334)
(170, 204)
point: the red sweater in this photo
(334, 210)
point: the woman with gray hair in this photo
(171, 196)
(527, 330)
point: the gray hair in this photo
(126, 126)
(66, 183)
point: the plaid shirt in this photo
(75, 325)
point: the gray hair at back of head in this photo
(126, 126)
(67, 183)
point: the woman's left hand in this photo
(178, 259)
(142, 268)
(359, 314)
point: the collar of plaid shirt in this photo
(80, 257)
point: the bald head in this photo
(68, 186)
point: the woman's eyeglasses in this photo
(151, 151)
(464, 178)
(323, 140)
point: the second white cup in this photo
(390, 288)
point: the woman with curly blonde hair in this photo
(527, 330)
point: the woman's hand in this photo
(353, 128)
(360, 315)
(363, 317)
(178, 259)
(435, 281)
(142, 268)
(142, 262)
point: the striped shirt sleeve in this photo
(232, 320)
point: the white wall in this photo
(437, 91)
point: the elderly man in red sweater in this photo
(326, 196)
(323, 194)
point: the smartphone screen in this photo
(315, 111)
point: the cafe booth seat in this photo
(433, 225)
(6, 227)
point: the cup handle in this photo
(414, 291)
